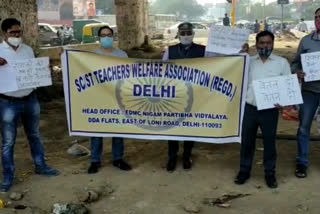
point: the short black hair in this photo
(317, 10)
(264, 33)
(105, 27)
(8, 23)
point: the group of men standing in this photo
(65, 34)
(24, 104)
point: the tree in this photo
(26, 12)
(248, 11)
(132, 23)
(189, 8)
(307, 9)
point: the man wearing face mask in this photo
(185, 49)
(18, 104)
(105, 34)
(310, 95)
(263, 65)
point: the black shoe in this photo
(171, 165)
(121, 164)
(271, 181)
(187, 163)
(301, 171)
(242, 177)
(94, 167)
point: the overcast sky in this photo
(211, 1)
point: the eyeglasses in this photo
(14, 32)
(316, 17)
(106, 35)
(185, 33)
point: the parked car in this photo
(56, 26)
(47, 34)
(200, 30)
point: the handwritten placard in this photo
(283, 90)
(23, 74)
(226, 40)
(311, 66)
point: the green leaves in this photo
(189, 8)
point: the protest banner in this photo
(226, 40)
(282, 90)
(200, 99)
(23, 74)
(311, 66)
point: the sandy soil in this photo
(149, 189)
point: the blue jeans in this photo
(10, 113)
(97, 147)
(306, 115)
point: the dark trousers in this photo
(267, 120)
(173, 148)
(97, 148)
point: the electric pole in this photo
(263, 9)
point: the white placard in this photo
(311, 66)
(226, 40)
(23, 74)
(283, 90)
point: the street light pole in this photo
(263, 9)
(282, 18)
(282, 2)
(233, 12)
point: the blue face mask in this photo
(106, 42)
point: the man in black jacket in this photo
(185, 49)
(226, 20)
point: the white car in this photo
(47, 34)
(199, 29)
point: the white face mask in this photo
(186, 40)
(15, 41)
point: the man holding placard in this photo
(307, 54)
(263, 65)
(18, 104)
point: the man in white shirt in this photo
(18, 104)
(302, 26)
(263, 65)
(69, 32)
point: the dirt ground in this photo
(149, 189)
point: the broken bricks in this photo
(88, 196)
(221, 202)
(70, 208)
(16, 196)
